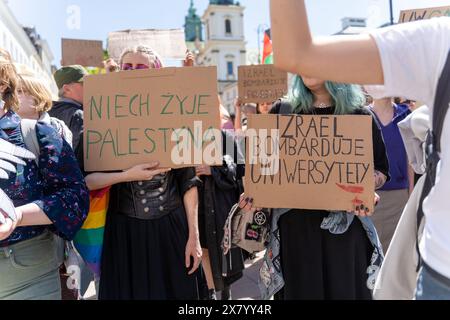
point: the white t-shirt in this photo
(413, 56)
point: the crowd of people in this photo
(164, 227)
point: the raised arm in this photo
(349, 59)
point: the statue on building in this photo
(222, 2)
(193, 25)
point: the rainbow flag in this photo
(89, 240)
(267, 57)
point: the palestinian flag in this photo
(267, 52)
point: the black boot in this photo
(212, 294)
(226, 293)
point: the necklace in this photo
(322, 106)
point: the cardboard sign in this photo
(169, 44)
(310, 162)
(422, 14)
(134, 117)
(261, 83)
(88, 53)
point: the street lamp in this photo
(261, 28)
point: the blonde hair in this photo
(154, 58)
(35, 87)
(8, 78)
(5, 54)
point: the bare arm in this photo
(191, 204)
(27, 215)
(193, 248)
(350, 59)
(32, 215)
(142, 172)
(99, 180)
(411, 176)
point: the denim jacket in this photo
(271, 277)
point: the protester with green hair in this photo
(323, 254)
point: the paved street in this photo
(245, 289)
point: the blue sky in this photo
(98, 17)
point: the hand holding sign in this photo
(110, 65)
(363, 211)
(143, 172)
(246, 204)
(189, 60)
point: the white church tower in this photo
(224, 44)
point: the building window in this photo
(230, 68)
(228, 26)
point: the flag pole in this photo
(391, 11)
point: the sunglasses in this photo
(129, 66)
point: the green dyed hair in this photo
(346, 97)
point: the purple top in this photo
(395, 149)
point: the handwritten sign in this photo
(169, 44)
(88, 53)
(310, 162)
(261, 83)
(133, 117)
(422, 14)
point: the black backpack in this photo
(433, 143)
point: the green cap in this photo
(69, 74)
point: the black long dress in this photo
(145, 259)
(318, 265)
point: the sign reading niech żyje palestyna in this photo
(261, 83)
(423, 14)
(321, 162)
(170, 115)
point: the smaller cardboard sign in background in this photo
(169, 44)
(324, 162)
(261, 83)
(88, 53)
(423, 14)
(130, 117)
